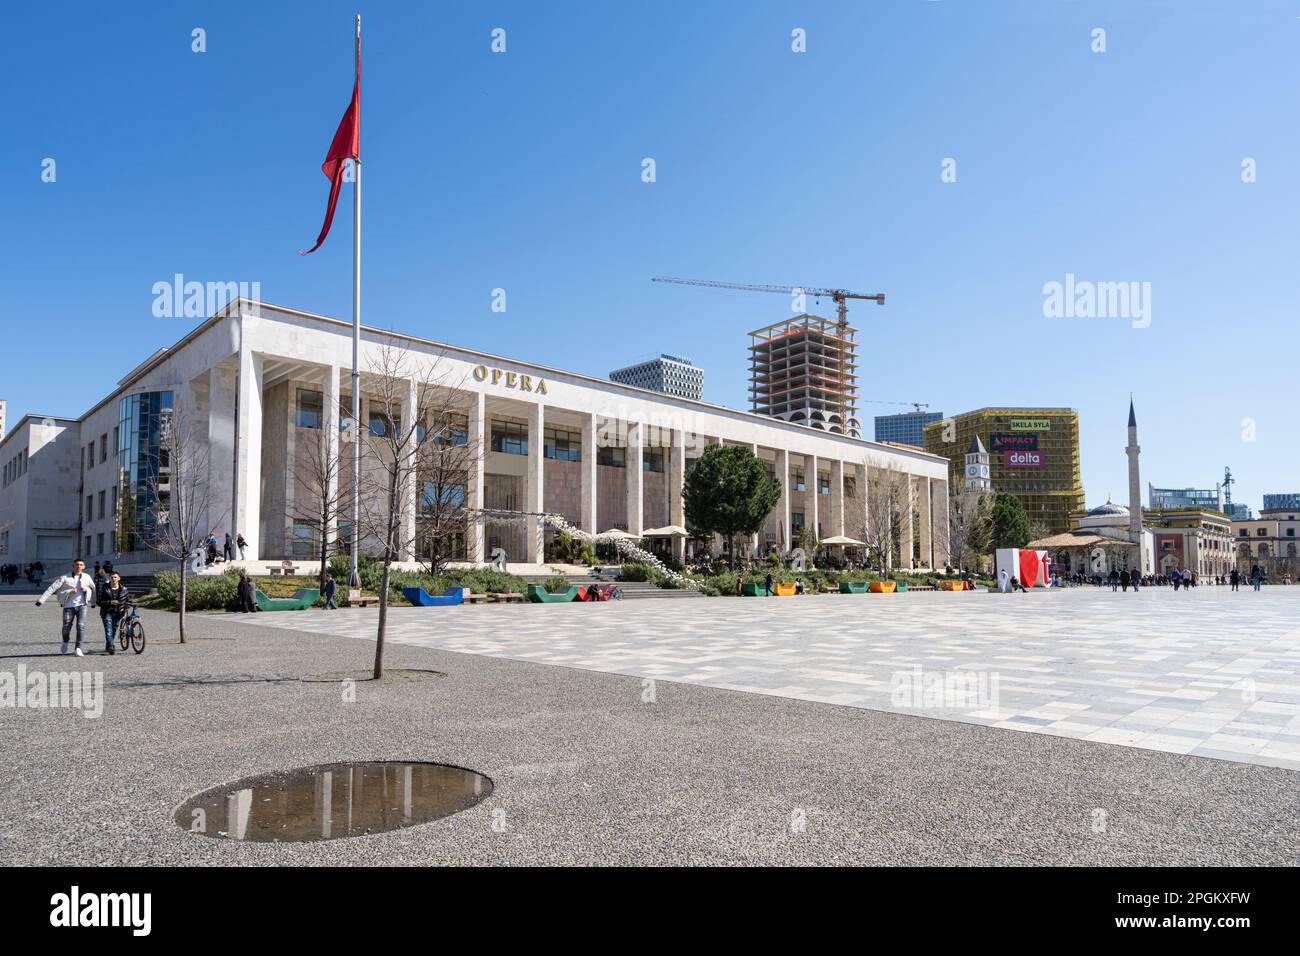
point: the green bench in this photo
(753, 589)
(539, 595)
(302, 599)
(854, 587)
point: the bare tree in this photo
(402, 391)
(968, 524)
(447, 455)
(320, 488)
(178, 493)
(888, 492)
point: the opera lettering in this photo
(516, 380)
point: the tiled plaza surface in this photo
(1210, 673)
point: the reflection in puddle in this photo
(332, 801)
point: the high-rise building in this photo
(2, 418)
(1033, 454)
(1285, 502)
(804, 370)
(1236, 511)
(669, 374)
(906, 428)
(1166, 499)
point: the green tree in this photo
(727, 492)
(1009, 524)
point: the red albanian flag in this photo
(346, 145)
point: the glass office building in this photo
(143, 422)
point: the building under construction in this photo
(804, 370)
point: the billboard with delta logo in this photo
(1023, 459)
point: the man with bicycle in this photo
(114, 601)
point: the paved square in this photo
(1210, 673)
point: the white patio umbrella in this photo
(667, 531)
(842, 539)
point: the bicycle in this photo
(130, 631)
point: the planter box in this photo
(302, 599)
(854, 587)
(422, 598)
(539, 595)
(784, 590)
(753, 590)
(883, 587)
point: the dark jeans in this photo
(111, 624)
(75, 616)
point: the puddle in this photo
(332, 801)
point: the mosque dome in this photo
(1109, 509)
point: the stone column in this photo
(783, 504)
(477, 441)
(923, 507)
(337, 471)
(590, 484)
(676, 482)
(634, 477)
(907, 498)
(837, 498)
(754, 538)
(941, 525)
(410, 480)
(862, 513)
(247, 509)
(810, 517)
(535, 481)
(221, 447)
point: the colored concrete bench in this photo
(539, 595)
(784, 589)
(750, 589)
(302, 599)
(882, 587)
(854, 587)
(422, 598)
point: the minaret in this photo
(1134, 480)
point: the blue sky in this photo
(522, 171)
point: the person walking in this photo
(228, 548)
(74, 592)
(1235, 578)
(331, 586)
(1124, 580)
(767, 585)
(1114, 580)
(113, 598)
(1256, 576)
(242, 545)
(1004, 580)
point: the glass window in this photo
(310, 409)
(612, 457)
(562, 444)
(103, 447)
(823, 485)
(448, 429)
(850, 487)
(382, 426)
(306, 539)
(510, 438)
(652, 459)
(798, 481)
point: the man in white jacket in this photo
(75, 592)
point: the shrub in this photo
(638, 572)
(208, 592)
(557, 584)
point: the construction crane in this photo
(839, 296)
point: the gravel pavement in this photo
(585, 770)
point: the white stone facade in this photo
(237, 379)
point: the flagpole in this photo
(354, 577)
